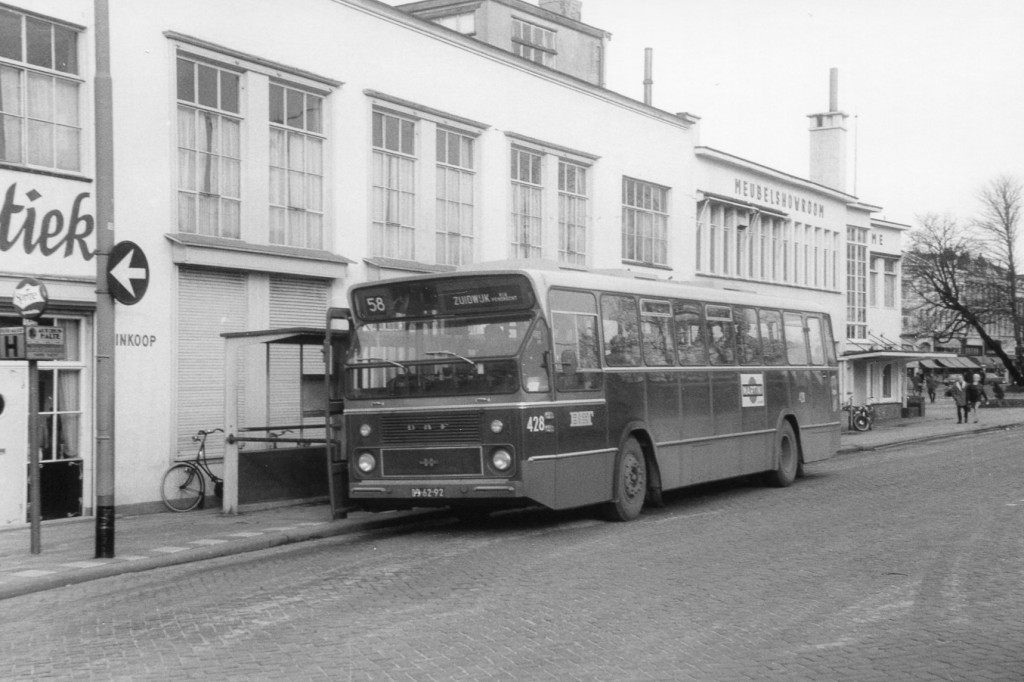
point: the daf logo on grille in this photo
(428, 463)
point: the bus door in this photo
(335, 348)
(821, 378)
(581, 414)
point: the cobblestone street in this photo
(893, 564)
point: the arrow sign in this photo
(127, 273)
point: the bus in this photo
(507, 386)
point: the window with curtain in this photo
(40, 111)
(60, 393)
(209, 149)
(644, 222)
(527, 188)
(455, 197)
(393, 233)
(572, 212)
(296, 167)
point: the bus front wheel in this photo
(630, 483)
(787, 458)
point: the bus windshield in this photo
(437, 356)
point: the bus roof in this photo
(547, 274)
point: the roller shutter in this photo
(294, 303)
(209, 304)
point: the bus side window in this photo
(656, 318)
(772, 342)
(796, 340)
(720, 334)
(816, 342)
(748, 341)
(535, 371)
(830, 345)
(576, 352)
(689, 333)
(621, 331)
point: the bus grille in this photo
(430, 427)
(426, 462)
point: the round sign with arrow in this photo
(127, 273)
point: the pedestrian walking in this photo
(931, 383)
(958, 392)
(975, 395)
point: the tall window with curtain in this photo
(856, 282)
(455, 197)
(209, 149)
(296, 167)
(40, 108)
(572, 213)
(644, 222)
(393, 233)
(527, 188)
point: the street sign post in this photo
(30, 299)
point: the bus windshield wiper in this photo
(451, 354)
(389, 362)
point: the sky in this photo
(934, 89)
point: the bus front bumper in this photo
(434, 492)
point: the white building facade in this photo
(266, 165)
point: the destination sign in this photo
(450, 296)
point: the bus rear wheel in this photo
(630, 483)
(786, 456)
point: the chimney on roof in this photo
(828, 141)
(567, 8)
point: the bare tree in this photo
(952, 279)
(1002, 202)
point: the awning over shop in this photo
(958, 363)
(951, 362)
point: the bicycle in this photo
(183, 487)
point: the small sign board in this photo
(45, 343)
(32, 343)
(12, 343)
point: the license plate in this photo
(428, 492)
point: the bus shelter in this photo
(276, 418)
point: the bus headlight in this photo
(497, 426)
(501, 459)
(365, 430)
(366, 462)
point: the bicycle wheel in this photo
(183, 487)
